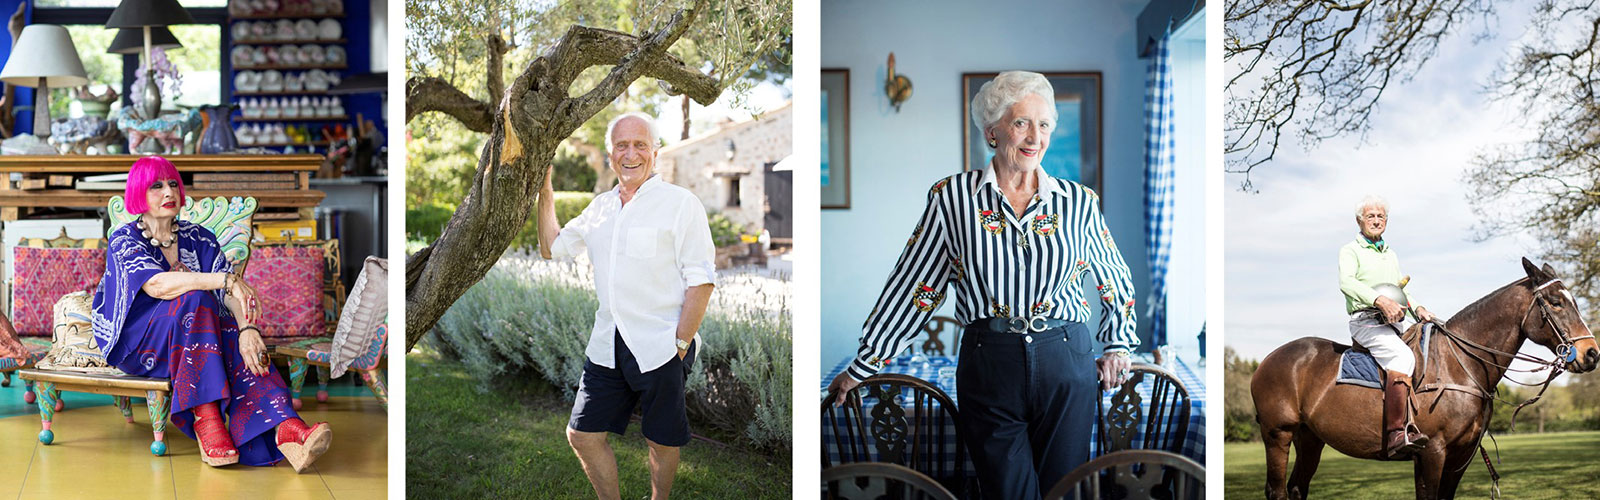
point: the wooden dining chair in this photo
(913, 424)
(1129, 423)
(934, 330)
(1131, 474)
(873, 481)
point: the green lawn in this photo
(465, 441)
(1553, 465)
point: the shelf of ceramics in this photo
(288, 42)
(340, 118)
(282, 15)
(284, 92)
(292, 67)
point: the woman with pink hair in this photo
(170, 306)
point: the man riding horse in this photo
(1368, 267)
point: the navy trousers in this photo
(1027, 406)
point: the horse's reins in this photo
(1565, 352)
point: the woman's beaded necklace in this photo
(145, 232)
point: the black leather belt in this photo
(1020, 324)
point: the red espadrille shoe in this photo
(302, 445)
(216, 446)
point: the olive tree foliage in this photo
(1548, 186)
(1315, 69)
(581, 58)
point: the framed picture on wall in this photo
(835, 168)
(1075, 143)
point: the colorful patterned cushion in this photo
(288, 281)
(332, 279)
(42, 276)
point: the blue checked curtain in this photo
(1158, 169)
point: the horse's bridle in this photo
(1566, 350)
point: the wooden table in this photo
(48, 179)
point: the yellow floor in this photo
(97, 455)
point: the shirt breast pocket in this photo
(643, 242)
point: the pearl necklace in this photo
(145, 231)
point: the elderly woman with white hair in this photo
(1016, 243)
(1370, 278)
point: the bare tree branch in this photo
(427, 93)
(1316, 69)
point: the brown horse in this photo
(1297, 401)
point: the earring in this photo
(993, 143)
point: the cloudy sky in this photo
(1282, 242)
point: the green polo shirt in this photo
(1363, 264)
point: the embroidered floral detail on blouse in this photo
(926, 298)
(939, 186)
(992, 222)
(999, 310)
(1041, 307)
(1046, 225)
(915, 234)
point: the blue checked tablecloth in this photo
(940, 370)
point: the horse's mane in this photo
(1482, 304)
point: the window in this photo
(112, 4)
(733, 191)
(199, 61)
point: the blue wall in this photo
(895, 157)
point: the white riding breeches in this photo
(1383, 340)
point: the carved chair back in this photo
(228, 219)
(872, 481)
(1127, 424)
(934, 330)
(1133, 474)
(910, 422)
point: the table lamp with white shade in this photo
(44, 57)
(148, 15)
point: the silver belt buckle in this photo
(1021, 324)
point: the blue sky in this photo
(1281, 243)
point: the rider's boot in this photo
(1401, 439)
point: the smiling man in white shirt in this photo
(653, 270)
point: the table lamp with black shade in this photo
(44, 57)
(149, 15)
(131, 41)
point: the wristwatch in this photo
(683, 345)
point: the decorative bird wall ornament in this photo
(897, 87)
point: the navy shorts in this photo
(607, 396)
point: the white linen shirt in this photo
(646, 254)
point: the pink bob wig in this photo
(147, 171)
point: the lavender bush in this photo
(531, 315)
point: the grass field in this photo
(1553, 465)
(465, 441)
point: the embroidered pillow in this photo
(333, 297)
(358, 329)
(42, 276)
(288, 282)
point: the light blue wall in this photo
(895, 157)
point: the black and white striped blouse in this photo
(1002, 265)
